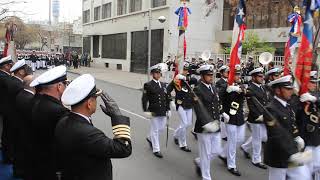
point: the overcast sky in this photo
(39, 9)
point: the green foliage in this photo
(253, 44)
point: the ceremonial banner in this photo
(239, 28)
(295, 32)
(304, 61)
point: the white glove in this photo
(211, 127)
(181, 77)
(168, 114)
(226, 117)
(307, 97)
(301, 157)
(233, 89)
(172, 106)
(260, 118)
(148, 115)
(300, 142)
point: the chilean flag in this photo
(304, 61)
(296, 21)
(239, 28)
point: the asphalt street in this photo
(176, 164)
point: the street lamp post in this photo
(161, 19)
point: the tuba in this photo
(206, 55)
(265, 58)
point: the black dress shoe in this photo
(225, 139)
(246, 154)
(234, 171)
(195, 135)
(198, 169)
(158, 154)
(176, 141)
(186, 149)
(224, 160)
(149, 141)
(260, 165)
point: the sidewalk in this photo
(122, 78)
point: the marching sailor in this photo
(282, 148)
(255, 118)
(84, 150)
(235, 125)
(184, 104)
(309, 125)
(208, 111)
(221, 86)
(155, 104)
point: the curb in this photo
(107, 81)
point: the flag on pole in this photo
(304, 61)
(239, 28)
(295, 32)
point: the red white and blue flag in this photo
(239, 28)
(295, 32)
(304, 61)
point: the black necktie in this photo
(210, 88)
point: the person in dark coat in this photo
(283, 150)
(47, 110)
(208, 110)
(6, 138)
(221, 86)
(85, 151)
(309, 125)
(183, 104)
(156, 105)
(255, 118)
(235, 125)
(19, 70)
(23, 107)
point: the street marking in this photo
(138, 115)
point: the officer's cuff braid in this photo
(121, 127)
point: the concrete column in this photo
(128, 60)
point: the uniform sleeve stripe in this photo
(120, 126)
(121, 129)
(122, 136)
(122, 132)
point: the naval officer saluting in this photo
(86, 151)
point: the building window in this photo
(72, 39)
(122, 7)
(106, 11)
(86, 45)
(135, 5)
(114, 46)
(86, 16)
(157, 3)
(97, 13)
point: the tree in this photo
(252, 44)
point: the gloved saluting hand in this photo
(110, 107)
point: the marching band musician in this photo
(156, 106)
(208, 111)
(284, 161)
(309, 125)
(184, 104)
(235, 124)
(221, 86)
(255, 118)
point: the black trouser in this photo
(6, 140)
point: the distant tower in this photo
(55, 10)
